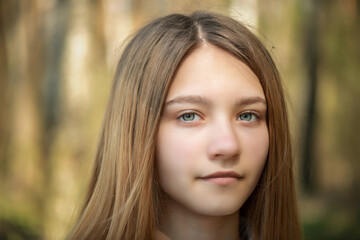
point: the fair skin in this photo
(212, 146)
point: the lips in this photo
(223, 175)
(222, 178)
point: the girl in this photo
(195, 142)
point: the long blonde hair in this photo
(123, 200)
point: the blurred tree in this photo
(56, 32)
(4, 99)
(340, 60)
(33, 49)
(311, 62)
(83, 90)
(19, 90)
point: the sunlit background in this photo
(57, 60)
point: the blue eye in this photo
(187, 117)
(247, 117)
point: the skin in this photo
(214, 120)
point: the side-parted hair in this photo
(123, 200)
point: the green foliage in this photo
(328, 227)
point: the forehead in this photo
(209, 69)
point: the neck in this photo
(181, 223)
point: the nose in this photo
(224, 142)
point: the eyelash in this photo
(182, 115)
(252, 113)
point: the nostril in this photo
(224, 155)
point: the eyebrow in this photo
(251, 100)
(194, 99)
(199, 100)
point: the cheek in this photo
(256, 148)
(175, 155)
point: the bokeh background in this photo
(57, 60)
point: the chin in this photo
(218, 208)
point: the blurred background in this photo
(57, 60)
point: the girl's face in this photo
(213, 138)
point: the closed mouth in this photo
(222, 174)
